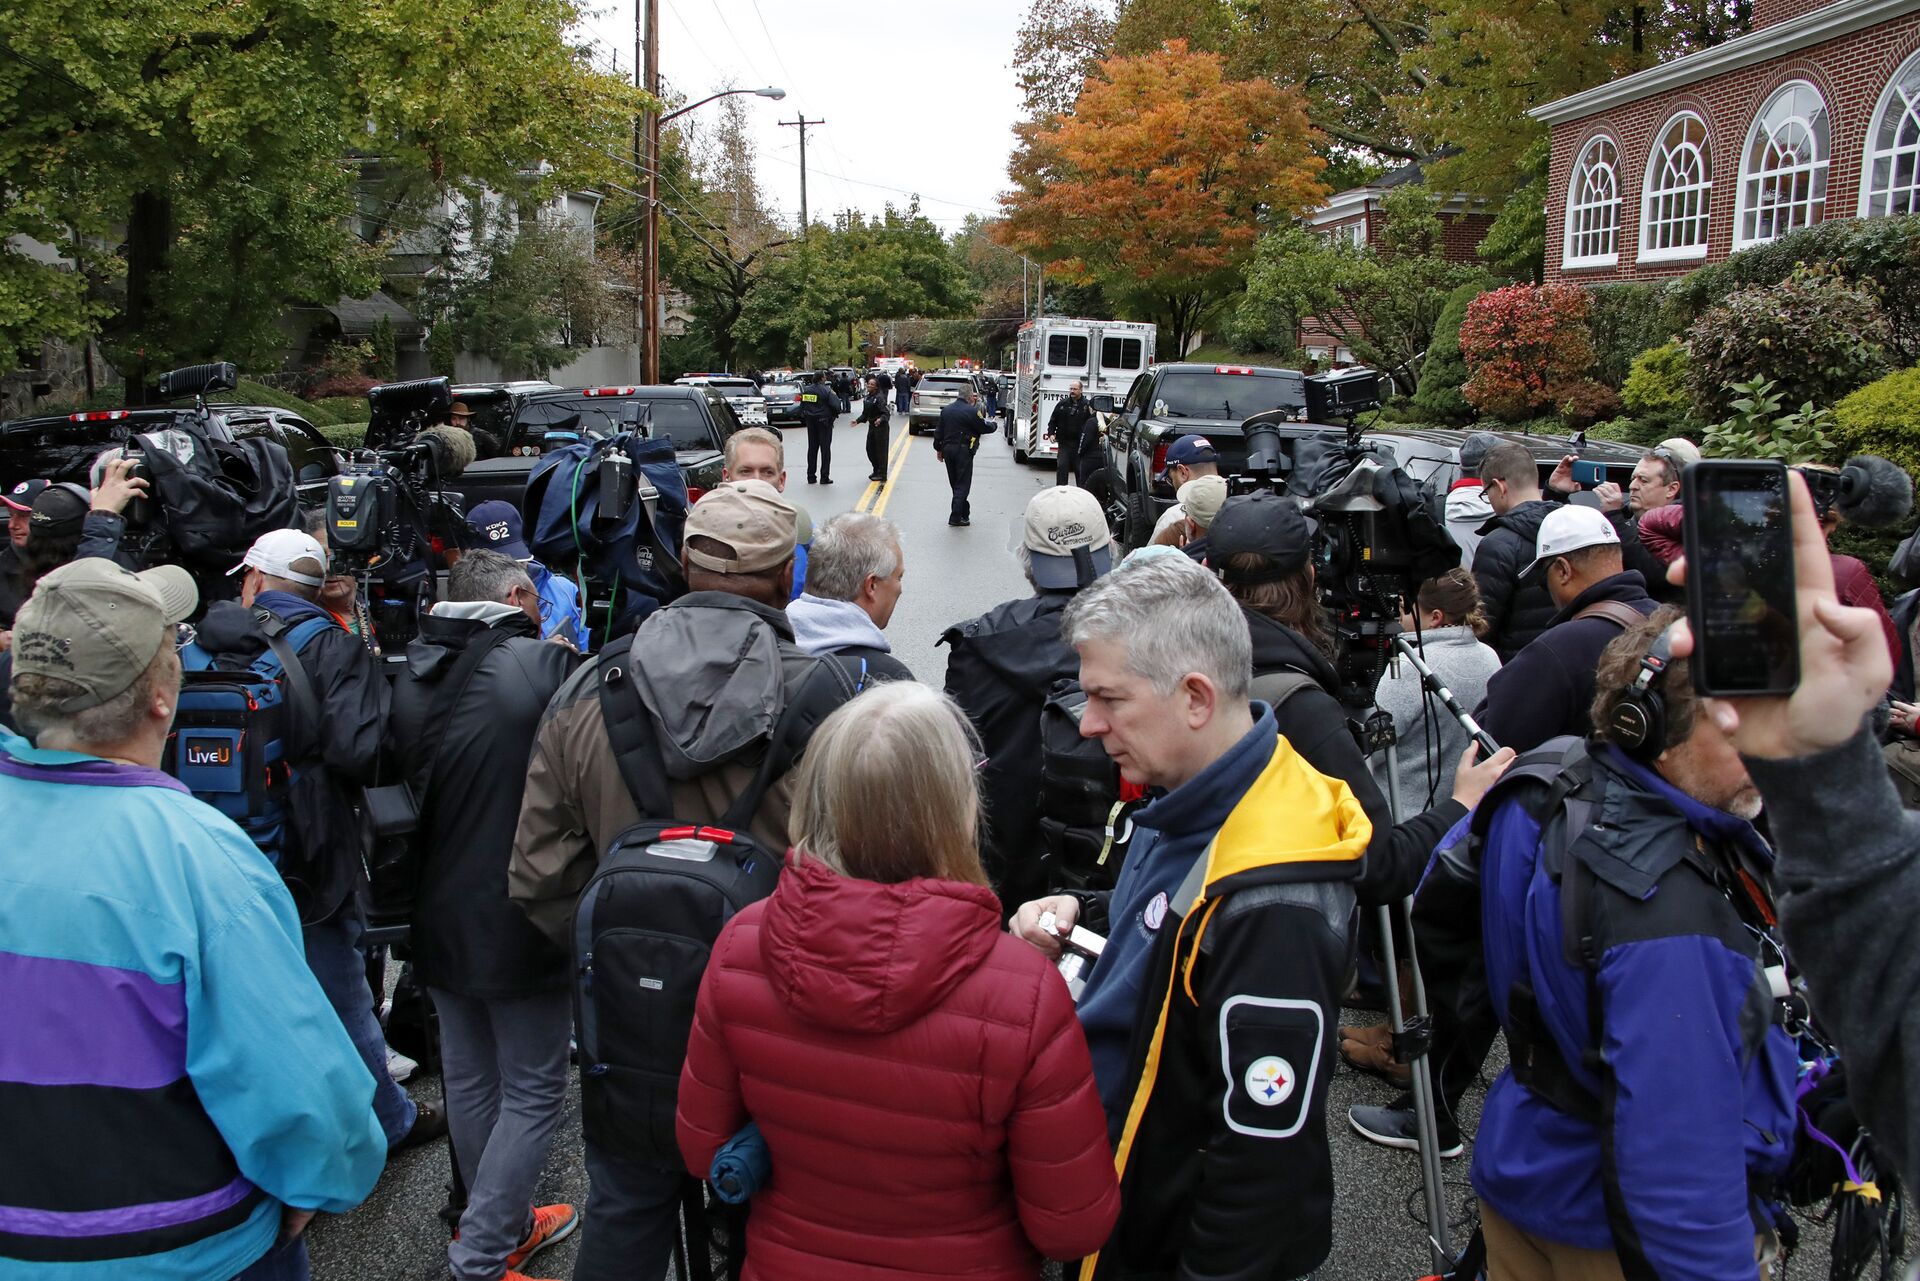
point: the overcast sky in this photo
(917, 95)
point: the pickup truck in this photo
(63, 446)
(697, 418)
(1169, 401)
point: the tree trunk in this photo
(150, 235)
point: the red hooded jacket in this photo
(919, 1077)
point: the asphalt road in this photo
(951, 574)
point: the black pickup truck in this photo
(697, 418)
(1169, 401)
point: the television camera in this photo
(1377, 537)
(390, 510)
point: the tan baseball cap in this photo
(99, 625)
(1202, 498)
(752, 519)
(1061, 521)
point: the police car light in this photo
(609, 391)
(1233, 369)
(100, 416)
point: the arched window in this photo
(1891, 184)
(1593, 208)
(1673, 210)
(1783, 173)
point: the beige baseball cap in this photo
(99, 625)
(1061, 521)
(752, 519)
(1202, 498)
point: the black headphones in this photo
(1638, 723)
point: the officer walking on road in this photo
(818, 408)
(875, 414)
(1078, 457)
(954, 442)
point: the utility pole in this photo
(801, 123)
(647, 33)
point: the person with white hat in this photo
(280, 580)
(1547, 688)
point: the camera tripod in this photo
(1413, 1038)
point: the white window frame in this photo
(1658, 167)
(1907, 99)
(1578, 187)
(1816, 171)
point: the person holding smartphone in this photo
(1849, 857)
(1655, 484)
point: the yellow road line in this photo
(874, 487)
(894, 464)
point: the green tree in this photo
(196, 157)
(530, 293)
(386, 350)
(1444, 371)
(1383, 302)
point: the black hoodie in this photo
(1314, 721)
(1002, 666)
(1517, 608)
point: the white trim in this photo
(1687, 253)
(1817, 171)
(1656, 156)
(1233, 1080)
(1351, 203)
(1874, 122)
(1573, 231)
(1776, 41)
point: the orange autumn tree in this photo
(1158, 185)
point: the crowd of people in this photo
(874, 1042)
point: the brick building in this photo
(1813, 114)
(1357, 216)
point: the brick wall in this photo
(1851, 73)
(1768, 12)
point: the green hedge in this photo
(1445, 370)
(1626, 320)
(1879, 418)
(341, 409)
(345, 435)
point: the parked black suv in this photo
(63, 446)
(697, 418)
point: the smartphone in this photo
(1740, 598)
(1587, 475)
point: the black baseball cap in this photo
(59, 510)
(20, 497)
(1261, 523)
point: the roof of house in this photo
(358, 316)
(1775, 41)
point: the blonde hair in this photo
(886, 790)
(730, 454)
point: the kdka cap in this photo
(98, 624)
(757, 525)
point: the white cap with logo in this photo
(1570, 529)
(277, 551)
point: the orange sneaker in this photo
(516, 1276)
(551, 1224)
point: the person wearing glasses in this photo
(1646, 545)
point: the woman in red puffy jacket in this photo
(918, 1075)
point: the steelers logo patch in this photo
(1271, 1081)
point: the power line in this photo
(881, 186)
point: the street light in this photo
(650, 269)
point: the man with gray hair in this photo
(853, 583)
(1229, 938)
(465, 712)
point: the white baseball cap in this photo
(1570, 529)
(1062, 521)
(277, 551)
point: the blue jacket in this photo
(559, 606)
(1694, 1083)
(169, 1060)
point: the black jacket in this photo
(1002, 666)
(468, 773)
(1546, 690)
(960, 428)
(1071, 422)
(819, 406)
(875, 410)
(1518, 609)
(1316, 723)
(321, 862)
(11, 597)
(1635, 556)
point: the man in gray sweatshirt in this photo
(854, 572)
(1849, 856)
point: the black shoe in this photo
(826, 480)
(881, 479)
(1395, 1127)
(429, 1123)
(957, 523)
(812, 481)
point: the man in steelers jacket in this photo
(1211, 1012)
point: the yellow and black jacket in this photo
(1222, 1144)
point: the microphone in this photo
(452, 448)
(1873, 492)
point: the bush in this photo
(345, 435)
(1626, 320)
(1656, 382)
(1632, 431)
(337, 386)
(342, 409)
(1879, 419)
(1586, 402)
(1816, 335)
(386, 349)
(1526, 347)
(1438, 399)
(1760, 426)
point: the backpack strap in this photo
(826, 686)
(1614, 611)
(285, 644)
(1276, 687)
(631, 731)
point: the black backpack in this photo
(647, 920)
(1084, 825)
